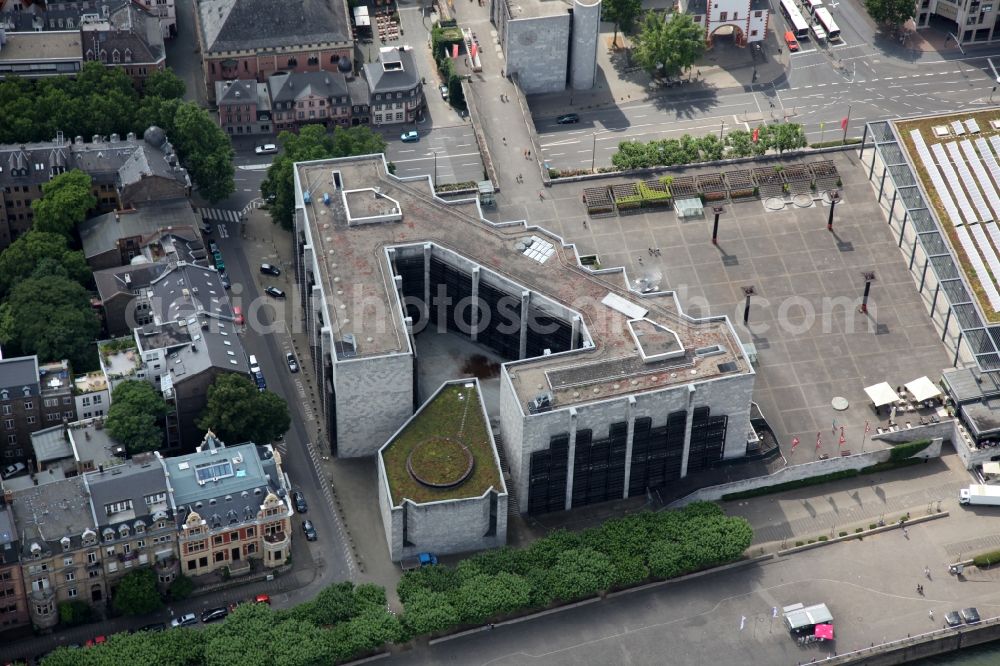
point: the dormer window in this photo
(116, 56)
(26, 391)
(123, 531)
(36, 550)
(65, 543)
(128, 55)
(104, 55)
(5, 395)
(90, 54)
(109, 535)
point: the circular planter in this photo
(440, 462)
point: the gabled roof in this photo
(288, 87)
(133, 482)
(239, 91)
(101, 234)
(239, 25)
(123, 280)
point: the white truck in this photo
(980, 494)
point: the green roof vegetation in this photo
(453, 419)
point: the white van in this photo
(254, 367)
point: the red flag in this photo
(842, 440)
(756, 133)
(819, 440)
(795, 442)
(843, 123)
(868, 428)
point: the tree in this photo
(134, 417)
(741, 143)
(788, 136)
(237, 412)
(74, 612)
(311, 143)
(181, 588)
(51, 316)
(163, 84)
(20, 260)
(64, 203)
(205, 150)
(890, 13)
(136, 593)
(669, 47)
(622, 13)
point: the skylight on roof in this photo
(538, 249)
(221, 469)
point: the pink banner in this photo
(475, 50)
(454, 51)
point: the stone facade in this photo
(374, 397)
(537, 50)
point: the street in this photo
(816, 96)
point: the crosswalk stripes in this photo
(219, 214)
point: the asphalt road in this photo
(457, 157)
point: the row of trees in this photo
(565, 566)
(778, 137)
(344, 622)
(44, 283)
(102, 100)
(235, 411)
(313, 142)
(341, 622)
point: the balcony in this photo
(275, 538)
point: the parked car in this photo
(213, 247)
(309, 530)
(206, 228)
(266, 149)
(952, 618)
(12, 470)
(568, 119)
(238, 315)
(97, 640)
(793, 44)
(258, 378)
(409, 137)
(262, 599)
(293, 365)
(268, 269)
(444, 92)
(213, 614)
(300, 502)
(970, 615)
(274, 292)
(220, 265)
(186, 620)
(224, 279)
(156, 626)
(418, 561)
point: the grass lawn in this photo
(925, 125)
(443, 417)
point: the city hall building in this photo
(604, 394)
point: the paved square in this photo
(813, 343)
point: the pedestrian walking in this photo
(906, 533)
(504, 141)
(930, 613)
(585, 224)
(541, 197)
(927, 572)
(640, 260)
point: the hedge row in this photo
(902, 459)
(987, 559)
(566, 566)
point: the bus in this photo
(796, 24)
(825, 20)
(812, 5)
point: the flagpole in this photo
(822, 131)
(847, 122)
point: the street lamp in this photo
(748, 292)
(718, 210)
(869, 277)
(434, 153)
(593, 155)
(834, 198)
(991, 93)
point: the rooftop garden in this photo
(926, 125)
(444, 452)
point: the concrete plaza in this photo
(812, 342)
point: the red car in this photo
(99, 640)
(262, 599)
(238, 313)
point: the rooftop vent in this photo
(541, 403)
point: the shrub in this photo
(812, 541)
(858, 529)
(824, 538)
(843, 534)
(872, 526)
(799, 543)
(982, 561)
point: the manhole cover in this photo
(802, 200)
(774, 203)
(840, 404)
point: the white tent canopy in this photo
(882, 394)
(923, 389)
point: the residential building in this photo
(138, 236)
(309, 98)
(357, 90)
(395, 90)
(61, 559)
(745, 20)
(125, 173)
(253, 39)
(91, 395)
(970, 21)
(31, 16)
(189, 340)
(126, 37)
(165, 11)
(13, 600)
(32, 397)
(231, 506)
(134, 518)
(119, 289)
(605, 393)
(244, 107)
(71, 449)
(548, 46)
